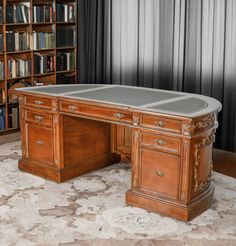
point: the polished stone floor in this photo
(91, 210)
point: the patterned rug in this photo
(91, 210)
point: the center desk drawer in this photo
(39, 102)
(96, 111)
(161, 142)
(36, 117)
(161, 123)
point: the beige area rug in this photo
(91, 210)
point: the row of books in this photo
(19, 68)
(1, 42)
(17, 13)
(20, 12)
(20, 41)
(1, 14)
(65, 12)
(13, 119)
(43, 63)
(1, 70)
(65, 61)
(43, 40)
(2, 96)
(42, 13)
(17, 41)
(2, 118)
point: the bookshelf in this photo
(37, 47)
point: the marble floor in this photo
(91, 210)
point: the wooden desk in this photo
(68, 130)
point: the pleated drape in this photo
(185, 45)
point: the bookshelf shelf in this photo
(29, 35)
(65, 48)
(42, 23)
(17, 24)
(44, 74)
(65, 23)
(17, 52)
(65, 71)
(43, 50)
(17, 78)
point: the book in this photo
(1, 42)
(1, 14)
(2, 118)
(10, 41)
(9, 14)
(1, 70)
(14, 117)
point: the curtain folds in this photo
(185, 45)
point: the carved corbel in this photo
(198, 186)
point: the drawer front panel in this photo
(96, 111)
(161, 123)
(39, 102)
(161, 142)
(160, 172)
(44, 119)
(40, 144)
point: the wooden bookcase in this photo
(56, 17)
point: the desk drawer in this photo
(160, 173)
(161, 123)
(39, 118)
(161, 142)
(97, 111)
(39, 102)
(40, 144)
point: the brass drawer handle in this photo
(159, 173)
(118, 115)
(160, 142)
(161, 123)
(72, 107)
(40, 143)
(38, 102)
(38, 118)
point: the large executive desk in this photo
(69, 130)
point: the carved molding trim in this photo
(198, 186)
(136, 120)
(21, 100)
(55, 119)
(136, 136)
(188, 128)
(54, 105)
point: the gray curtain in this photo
(185, 45)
